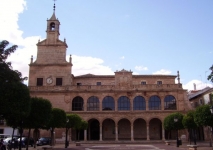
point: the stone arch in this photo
(124, 103)
(154, 103)
(108, 103)
(108, 129)
(139, 129)
(93, 131)
(77, 104)
(124, 129)
(93, 103)
(170, 103)
(155, 129)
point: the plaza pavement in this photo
(125, 146)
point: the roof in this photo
(200, 92)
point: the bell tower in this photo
(53, 28)
(50, 67)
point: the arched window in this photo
(77, 104)
(52, 26)
(154, 103)
(170, 103)
(93, 104)
(139, 103)
(108, 103)
(123, 103)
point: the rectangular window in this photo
(1, 131)
(39, 81)
(159, 82)
(98, 83)
(78, 84)
(2, 122)
(143, 83)
(58, 81)
(211, 99)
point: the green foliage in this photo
(210, 77)
(84, 125)
(203, 116)
(74, 121)
(57, 119)
(169, 123)
(40, 113)
(188, 120)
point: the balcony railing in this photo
(106, 87)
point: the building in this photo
(117, 107)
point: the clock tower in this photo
(50, 67)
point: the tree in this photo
(189, 123)
(39, 116)
(203, 117)
(73, 120)
(210, 77)
(10, 82)
(57, 120)
(169, 124)
(83, 126)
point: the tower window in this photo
(98, 83)
(58, 81)
(78, 84)
(52, 26)
(39, 81)
(159, 82)
(143, 83)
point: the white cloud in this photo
(162, 71)
(84, 65)
(140, 68)
(122, 57)
(199, 85)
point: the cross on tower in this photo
(54, 6)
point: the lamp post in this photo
(66, 142)
(211, 110)
(176, 120)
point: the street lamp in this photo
(211, 110)
(66, 142)
(176, 120)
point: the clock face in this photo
(49, 80)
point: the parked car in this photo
(44, 141)
(24, 141)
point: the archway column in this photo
(147, 104)
(163, 134)
(100, 132)
(162, 103)
(85, 135)
(85, 105)
(132, 132)
(116, 132)
(147, 131)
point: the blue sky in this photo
(145, 36)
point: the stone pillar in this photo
(100, 132)
(85, 105)
(100, 105)
(116, 105)
(132, 132)
(116, 132)
(147, 131)
(163, 134)
(147, 104)
(85, 135)
(131, 105)
(162, 103)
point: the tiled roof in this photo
(200, 92)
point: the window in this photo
(93, 104)
(201, 101)
(58, 81)
(170, 103)
(154, 103)
(123, 103)
(1, 131)
(143, 83)
(211, 99)
(159, 82)
(39, 81)
(108, 103)
(1, 121)
(78, 84)
(139, 103)
(77, 104)
(98, 83)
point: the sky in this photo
(103, 36)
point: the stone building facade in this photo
(117, 107)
